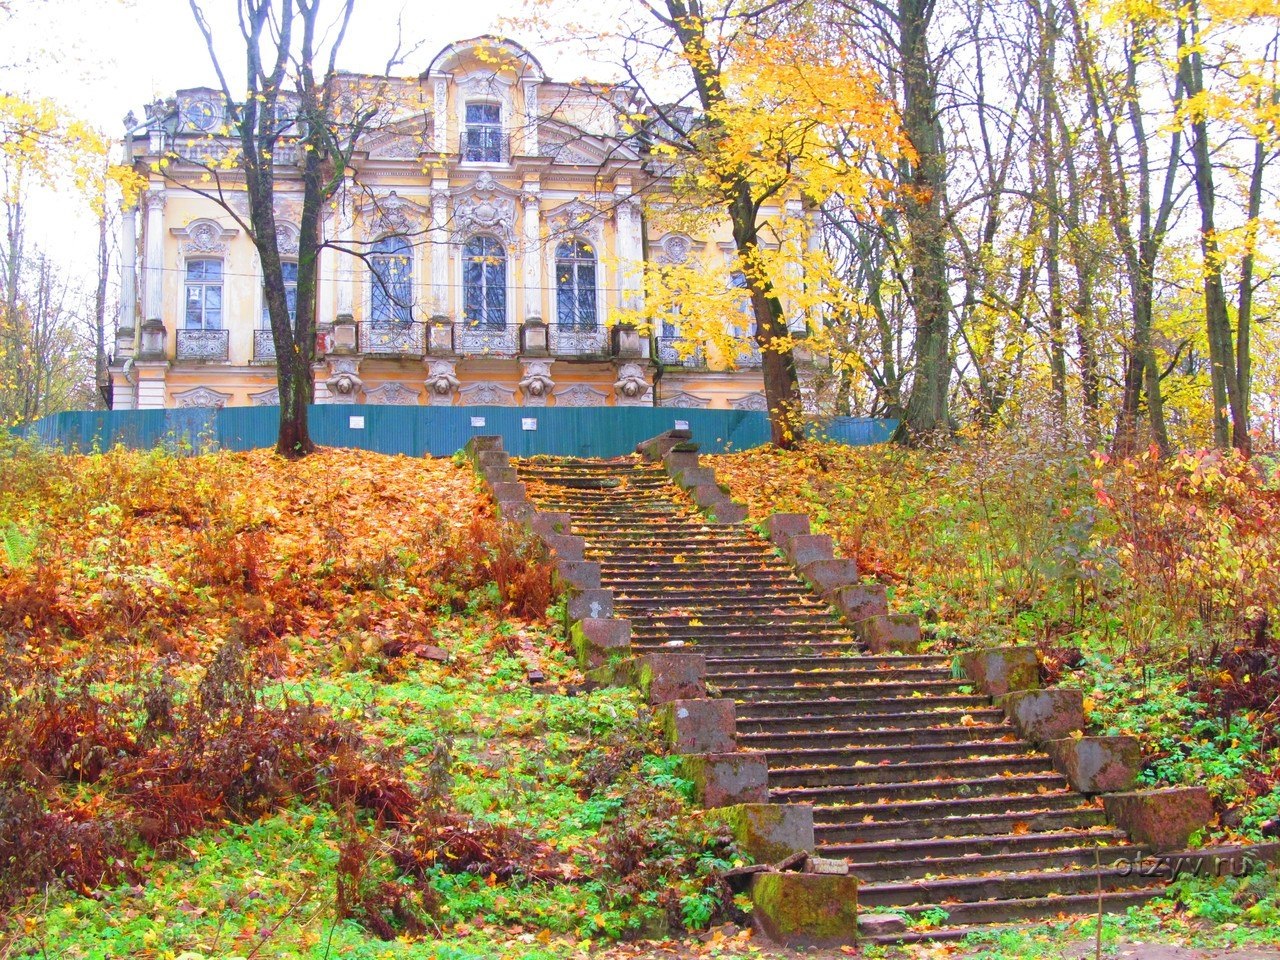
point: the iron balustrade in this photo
(479, 338)
(393, 338)
(578, 341)
(202, 345)
(670, 353)
(264, 346)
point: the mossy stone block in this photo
(806, 909)
(725, 779)
(1000, 670)
(768, 832)
(1161, 820)
(1044, 715)
(892, 633)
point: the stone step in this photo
(934, 808)
(970, 825)
(968, 915)
(861, 705)
(896, 754)
(853, 661)
(785, 634)
(830, 671)
(970, 892)
(799, 688)
(959, 767)
(872, 722)
(934, 848)
(890, 871)
(923, 789)
(880, 736)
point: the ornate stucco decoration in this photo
(677, 248)
(536, 383)
(267, 398)
(752, 401)
(485, 207)
(580, 395)
(344, 383)
(687, 400)
(632, 389)
(287, 239)
(204, 238)
(392, 394)
(392, 214)
(577, 218)
(441, 383)
(201, 397)
(487, 394)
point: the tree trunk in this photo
(927, 414)
(1230, 417)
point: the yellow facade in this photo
(506, 218)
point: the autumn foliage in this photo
(154, 609)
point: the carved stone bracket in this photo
(752, 401)
(441, 383)
(204, 238)
(686, 400)
(632, 388)
(487, 394)
(267, 398)
(580, 395)
(536, 383)
(344, 383)
(201, 397)
(392, 394)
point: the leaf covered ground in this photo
(259, 708)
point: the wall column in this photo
(630, 254)
(438, 236)
(532, 252)
(344, 228)
(153, 264)
(128, 282)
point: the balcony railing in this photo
(578, 341)
(264, 347)
(671, 354)
(202, 345)
(477, 338)
(393, 338)
(750, 357)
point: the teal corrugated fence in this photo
(438, 431)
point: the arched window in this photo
(484, 282)
(204, 295)
(289, 269)
(575, 286)
(391, 263)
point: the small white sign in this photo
(529, 423)
(682, 424)
(356, 423)
(477, 421)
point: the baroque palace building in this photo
(500, 224)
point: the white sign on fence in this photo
(477, 421)
(356, 423)
(529, 423)
(682, 424)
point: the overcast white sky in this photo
(103, 58)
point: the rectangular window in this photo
(289, 269)
(484, 133)
(204, 295)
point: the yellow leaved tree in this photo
(754, 116)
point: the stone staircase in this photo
(919, 783)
